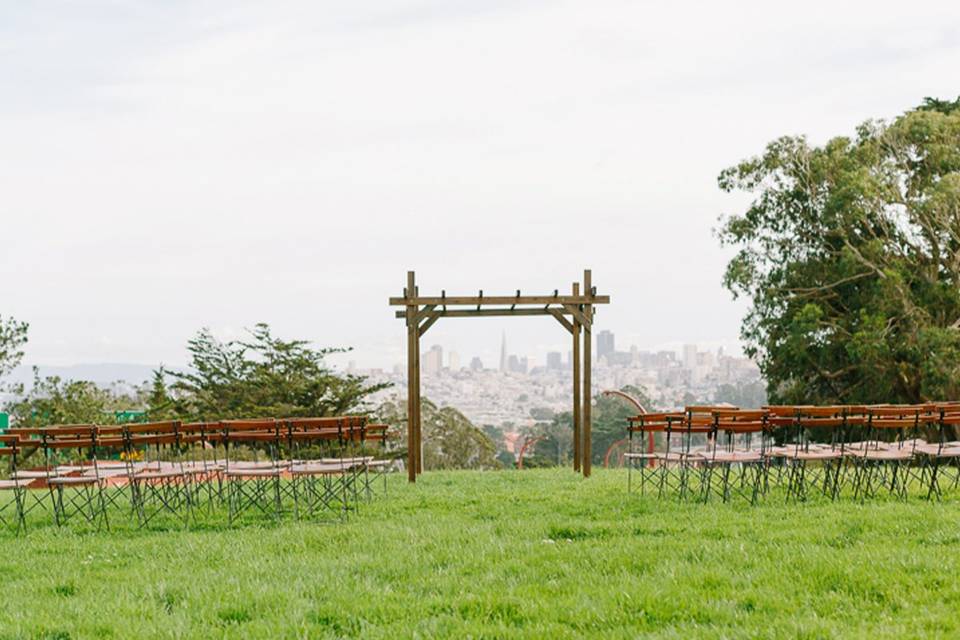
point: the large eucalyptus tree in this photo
(850, 255)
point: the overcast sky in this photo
(170, 165)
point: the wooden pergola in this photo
(574, 312)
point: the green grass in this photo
(533, 554)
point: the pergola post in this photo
(587, 352)
(412, 349)
(575, 364)
(418, 432)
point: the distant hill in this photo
(101, 373)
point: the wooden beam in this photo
(587, 395)
(482, 313)
(423, 313)
(559, 316)
(575, 356)
(505, 300)
(431, 318)
(579, 315)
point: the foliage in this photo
(52, 400)
(262, 376)
(450, 440)
(746, 395)
(850, 254)
(538, 554)
(160, 406)
(13, 336)
(542, 414)
(608, 419)
(506, 459)
(555, 447)
(494, 432)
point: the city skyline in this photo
(436, 356)
(510, 390)
(485, 345)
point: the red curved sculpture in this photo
(639, 407)
(527, 443)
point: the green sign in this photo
(4, 421)
(129, 416)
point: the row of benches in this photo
(309, 466)
(722, 451)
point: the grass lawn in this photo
(532, 554)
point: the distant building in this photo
(453, 361)
(503, 353)
(554, 361)
(432, 361)
(516, 364)
(705, 359)
(605, 345)
(476, 364)
(689, 356)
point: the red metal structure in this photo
(639, 407)
(529, 442)
(610, 449)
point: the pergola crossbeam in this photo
(472, 301)
(577, 314)
(482, 313)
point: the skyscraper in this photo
(689, 356)
(504, 361)
(554, 361)
(432, 361)
(453, 361)
(605, 345)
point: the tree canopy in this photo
(608, 426)
(260, 376)
(450, 440)
(13, 337)
(850, 255)
(52, 400)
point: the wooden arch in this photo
(574, 312)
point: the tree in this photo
(13, 336)
(608, 425)
(746, 395)
(555, 446)
(52, 400)
(262, 376)
(160, 406)
(609, 419)
(450, 440)
(850, 255)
